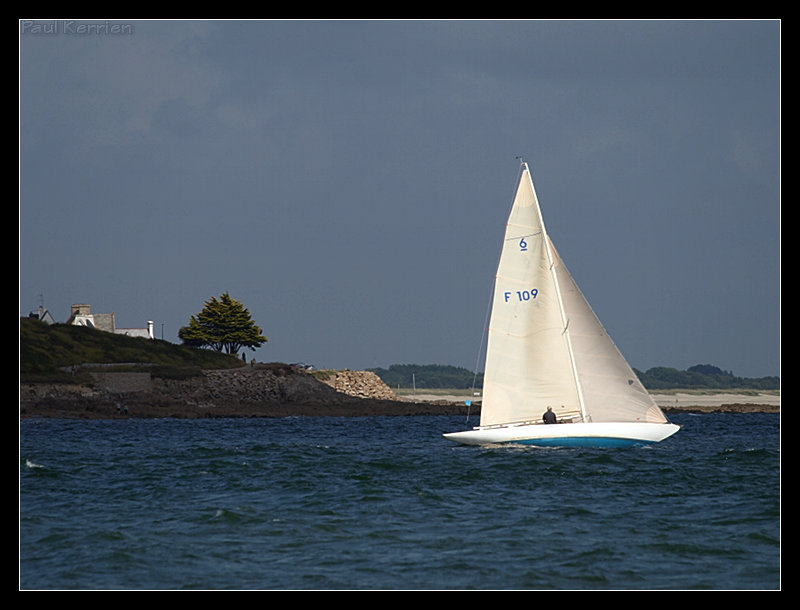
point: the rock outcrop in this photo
(249, 389)
(258, 391)
(360, 384)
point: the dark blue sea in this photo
(387, 503)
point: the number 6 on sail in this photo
(547, 353)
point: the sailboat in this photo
(547, 352)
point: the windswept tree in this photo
(224, 324)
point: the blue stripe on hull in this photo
(586, 441)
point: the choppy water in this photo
(386, 503)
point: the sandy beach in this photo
(750, 401)
(681, 400)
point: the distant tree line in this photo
(700, 377)
(428, 376)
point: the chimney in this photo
(150, 328)
(80, 309)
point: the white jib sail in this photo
(546, 347)
(611, 391)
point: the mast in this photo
(564, 320)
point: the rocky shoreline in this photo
(257, 391)
(264, 391)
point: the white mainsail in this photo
(546, 348)
(528, 362)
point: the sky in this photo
(349, 181)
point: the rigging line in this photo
(516, 237)
(480, 346)
(491, 293)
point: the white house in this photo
(81, 315)
(42, 315)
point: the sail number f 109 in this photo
(521, 295)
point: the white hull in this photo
(605, 434)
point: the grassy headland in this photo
(48, 352)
